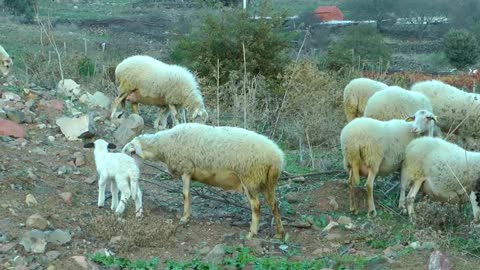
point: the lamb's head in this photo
(6, 65)
(134, 147)
(423, 121)
(100, 145)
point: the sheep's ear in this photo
(111, 146)
(410, 118)
(433, 117)
(88, 145)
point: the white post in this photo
(244, 4)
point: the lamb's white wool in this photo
(356, 94)
(6, 62)
(228, 157)
(450, 104)
(442, 170)
(372, 147)
(146, 80)
(125, 173)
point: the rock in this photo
(228, 237)
(64, 170)
(334, 237)
(3, 237)
(4, 248)
(12, 129)
(439, 261)
(16, 116)
(34, 241)
(255, 245)
(66, 197)
(343, 220)
(51, 267)
(330, 226)
(322, 252)
(59, 237)
(3, 114)
(51, 138)
(79, 159)
(56, 104)
(68, 88)
(215, 256)
(203, 250)
(128, 129)
(72, 128)
(291, 198)
(52, 255)
(98, 99)
(11, 96)
(423, 246)
(116, 240)
(36, 221)
(84, 263)
(30, 200)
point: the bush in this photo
(85, 66)
(359, 45)
(221, 37)
(461, 48)
(26, 8)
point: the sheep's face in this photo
(422, 121)
(134, 147)
(100, 144)
(199, 116)
(6, 65)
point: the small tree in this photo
(461, 48)
(26, 8)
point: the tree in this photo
(423, 13)
(26, 8)
(381, 11)
(461, 48)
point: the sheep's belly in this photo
(137, 98)
(223, 179)
(452, 193)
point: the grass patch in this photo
(83, 11)
(123, 263)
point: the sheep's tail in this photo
(272, 176)
(134, 182)
(352, 157)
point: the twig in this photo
(392, 188)
(244, 87)
(218, 92)
(456, 178)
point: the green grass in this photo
(84, 11)
(114, 261)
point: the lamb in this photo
(450, 103)
(145, 80)
(356, 94)
(227, 157)
(6, 62)
(442, 170)
(372, 147)
(125, 172)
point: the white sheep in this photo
(372, 147)
(146, 80)
(6, 62)
(356, 94)
(451, 104)
(227, 157)
(442, 170)
(125, 173)
(394, 102)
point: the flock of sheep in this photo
(389, 129)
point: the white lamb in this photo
(6, 62)
(442, 170)
(371, 147)
(145, 80)
(125, 173)
(228, 157)
(451, 104)
(356, 94)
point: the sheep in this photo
(227, 157)
(356, 94)
(6, 62)
(442, 170)
(144, 79)
(372, 147)
(451, 104)
(125, 172)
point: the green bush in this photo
(221, 37)
(85, 66)
(461, 48)
(476, 32)
(26, 8)
(358, 45)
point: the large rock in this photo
(37, 221)
(98, 99)
(59, 237)
(34, 241)
(215, 256)
(68, 88)
(439, 261)
(12, 129)
(76, 126)
(128, 129)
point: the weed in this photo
(114, 261)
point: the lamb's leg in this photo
(125, 194)
(114, 191)
(255, 205)
(372, 212)
(411, 197)
(272, 202)
(138, 203)
(475, 201)
(403, 188)
(102, 184)
(186, 199)
(354, 177)
(162, 116)
(174, 113)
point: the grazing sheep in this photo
(442, 170)
(145, 80)
(125, 172)
(228, 157)
(356, 94)
(371, 147)
(6, 62)
(451, 104)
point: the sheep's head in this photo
(6, 65)
(134, 147)
(422, 121)
(199, 115)
(100, 144)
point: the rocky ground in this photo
(49, 218)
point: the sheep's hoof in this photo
(100, 206)
(184, 220)
(279, 236)
(372, 214)
(139, 214)
(354, 211)
(403, 210)
(250, 235)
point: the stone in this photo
(79, 159)
(51, 138)
(59, 237)
(129, 129)
(439, 261)
(72, 128)
(68, 88)
(56, 104)
(4, 248)
(116, 240)
(321, 252)
(84, 263)
(34, 241)
(67, 197)
(334, 237)
(98, 99)
(344, 220)
(36, 221)
(10, 96)
(291, 198)
(423, 246)
(330, 225)
(51, 267)
(52, 255)
(203, 250)
(30, 200)
(215, 256)
(16, 116)
(12, 129)
(3, 237)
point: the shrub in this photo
(358, 45)
(85, 66)
(26, 8)
(461, 48)
(220, 37)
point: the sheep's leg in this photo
(102, 184)
(124, 187)
(186, 199)
(174, 113)
(135, 107)
(403, 187)
(255, 205)
(354, 177)
(138, 203)
(114, 191)
(162, 116)
(120, 99)
(272, 202)
(411, 197)
(474, 200)
(371, 204)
